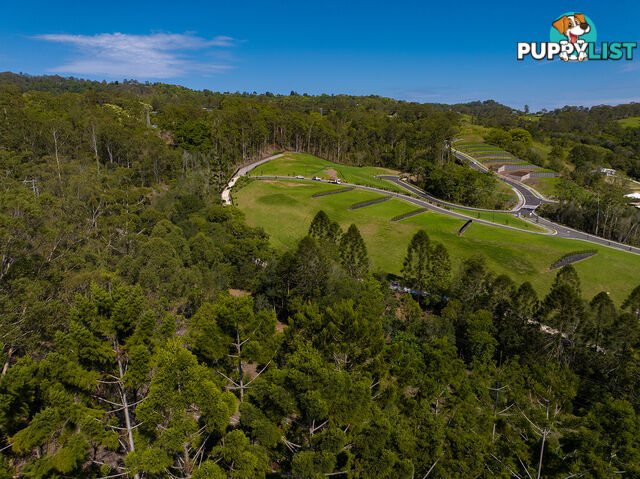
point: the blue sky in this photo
(445, 52)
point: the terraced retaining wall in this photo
(540, 174)
(517, 167)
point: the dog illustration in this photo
(573, 27)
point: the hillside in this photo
(149, 331)
(285, 210)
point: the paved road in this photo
(407, 186)
(416, 201)
(570, 233)
(554, 228)
(226, 193)
(530, 197)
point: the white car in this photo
(300, 177)
(317, 178)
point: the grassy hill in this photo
(293, 164)
(630, 122)
(285, 209)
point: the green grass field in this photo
(631, 122)
(294, 164)
(546, 186)
(285, 210)
(501, 218)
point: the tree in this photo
(606, 443)
(184, 409)
(353, 253)
(310, 269)
(323, 229)
(633, 302)
(96, 376)
(416, 268)
(473, 283)
(601, 319)
(242, 459)
(565, 311)
(476, 337)
(229, 335)
(426, 267)
(440, 267)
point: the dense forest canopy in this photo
(149, 332)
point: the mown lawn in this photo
(285, 210)
(294, 164)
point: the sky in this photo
(441, 52)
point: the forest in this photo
(149, 332)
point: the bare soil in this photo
(333, 174)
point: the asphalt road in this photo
(528, 199)
(427, 196)
(416, 201)
(570, 233)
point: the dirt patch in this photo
(517, 173)
(388, 171)
(238, 292)
(280, 326)
(333, 174)
(167, 136)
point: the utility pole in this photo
(598, 215)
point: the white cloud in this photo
(154, 56)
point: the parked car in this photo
(300, 177)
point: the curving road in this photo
(529, 201)
(410, 199)
(407, 186)
(226, 193)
